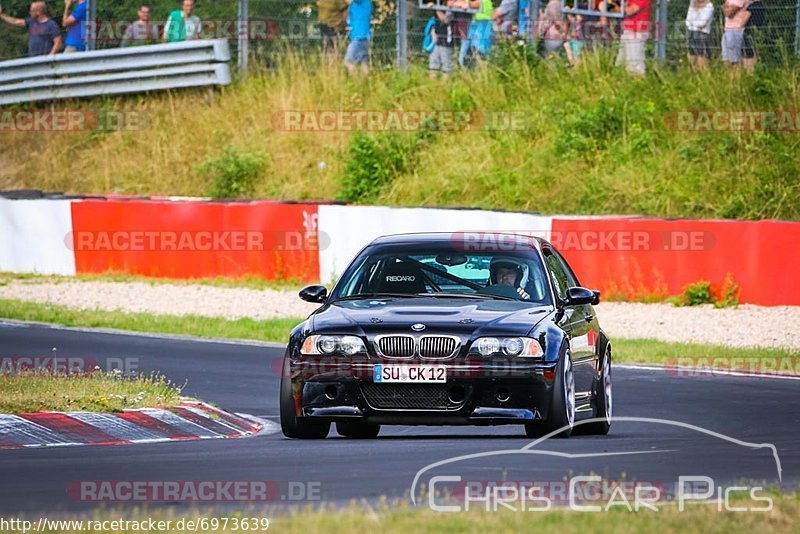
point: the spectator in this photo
(75, 24)
(698, 24)
(552, 27)
(635, 32)
(505, 17)
(141, 32)
(574, 47)
(332, 22)
(443, 34)
(736, 17)
(752, 31)
(461, 23)
(360, 15)
(183, 24)
(44, 35)
(479, 38)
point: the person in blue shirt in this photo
(75, 24)
(44, 35)
(360, 17)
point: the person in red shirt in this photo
(635, 32)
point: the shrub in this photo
(234, 174)
(729, 293)
(694, 294)
(376, 160)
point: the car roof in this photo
(430, 238)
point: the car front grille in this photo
(407, 396)
(397, 346)
(437, 346)
(406, 346)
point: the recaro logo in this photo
(401, 278)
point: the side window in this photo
(571, 279)
(558, 274)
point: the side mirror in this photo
(577, 296)
(315, 294)
(596, 300)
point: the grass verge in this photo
(591, 140)
(277, 330)
(190, 325)
(783, 517)
(95, 392)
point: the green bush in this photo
(694, 294)
(376, 160)
(234, 174)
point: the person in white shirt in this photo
(698, 24)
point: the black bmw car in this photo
(449, 329)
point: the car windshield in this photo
(444, 272)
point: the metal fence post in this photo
(797, 30)
(402, 35)
(91, 25)
(661, 30)
(243, 27)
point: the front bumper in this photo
(473, 395)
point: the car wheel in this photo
(291, 425)
(603, 400)
(357, 429)
(562, 405)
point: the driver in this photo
(507, 272)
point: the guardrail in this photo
(112, 72)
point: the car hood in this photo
(463, 317)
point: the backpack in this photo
(427, 42)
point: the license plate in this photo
(417, 374)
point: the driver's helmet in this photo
(506, 263)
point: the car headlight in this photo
(333, 346)
(523, 347)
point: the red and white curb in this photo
(187, 421)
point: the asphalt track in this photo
(244, 378)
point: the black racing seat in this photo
(401, 277)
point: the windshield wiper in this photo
(379, 296)
(465, 296)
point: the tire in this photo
(291, 425)
(562, 405)
(357, 429)
(603, 401)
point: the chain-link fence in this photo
(267, 30)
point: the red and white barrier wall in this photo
(310, 242)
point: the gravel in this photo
(744, 326)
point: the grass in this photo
(661, 352)
(277, 330)
(191, 325)
(593, 141)
(402, 519)
(29, 392)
